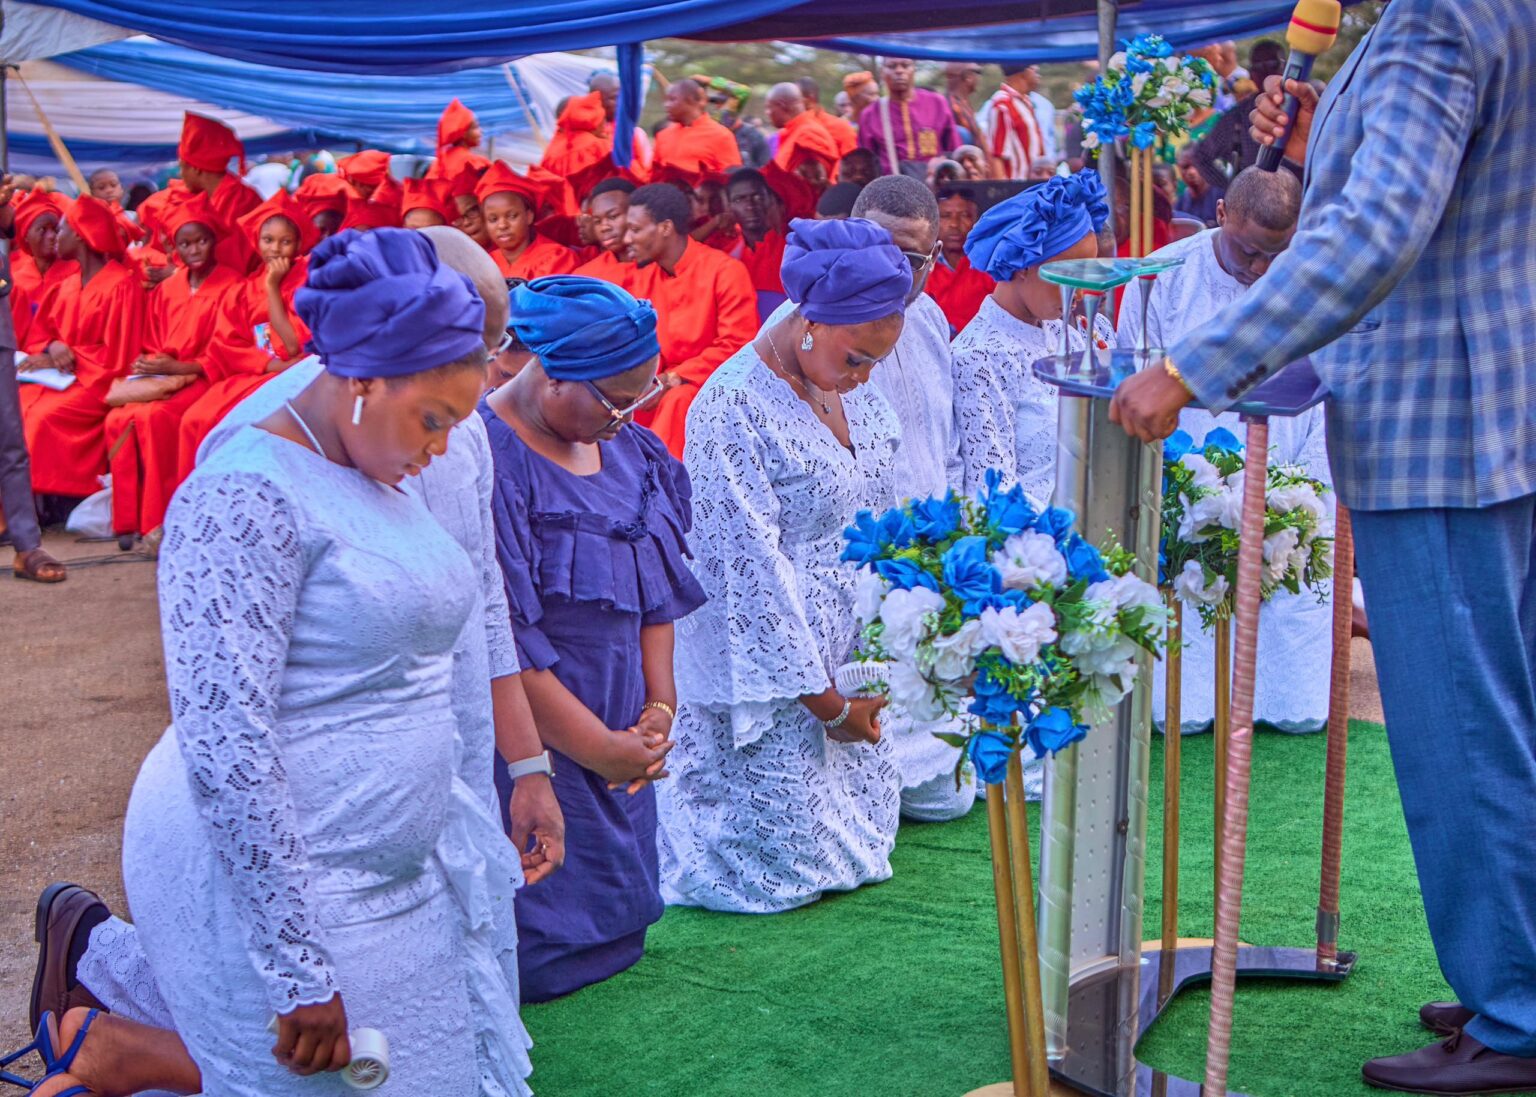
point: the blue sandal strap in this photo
(64, 1061)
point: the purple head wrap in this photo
(1038, 223)
(380, 304)
(845, 272)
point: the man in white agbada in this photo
(916, 380)
(456, 490)
(1255, 222)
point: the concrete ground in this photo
(83, 701)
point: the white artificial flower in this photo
(1110, 658)
(1030, 559)
(1297, 497)
(914, 694)
(1173, 87)
(1191, 588)
(954, 656)
(1117, 61)
(1139, 81)
(908, 616)
(1278, 549)
(1019, 635)
(1213, 509)
(1169, 64)
(1128, 592)
(1200, 97)
(1206, 474)
(867, 596)
(1090, 140)
(1159, 101)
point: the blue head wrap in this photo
(1038, 223)
(583, 329)
(380, 304)
(845, 272)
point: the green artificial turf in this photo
(895, 990)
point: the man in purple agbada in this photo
(914, 123)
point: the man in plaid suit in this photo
(1412, 283)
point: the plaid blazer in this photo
(1412, 277)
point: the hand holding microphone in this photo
(1314, 26)
(1269, 121)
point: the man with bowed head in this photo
(1411, 282)
(784, 788)
(694, 142)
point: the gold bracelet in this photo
(1173, 371)
(663, 706)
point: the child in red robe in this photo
(94, 328)
(207, 146)
(458, 136)
(510, 204)
(37, 271)
(144, 426)
(257, 332)
(368, 173)
(428, 202)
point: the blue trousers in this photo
(1451, 596)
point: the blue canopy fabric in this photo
(378, 111)
(1184, 23)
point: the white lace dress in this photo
(292, 834)
(1006, 415)
(1295, 630)
(762, 812)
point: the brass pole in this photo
(1135, 209)
(1223, 727)
(1172, 749)
(1008, 937)
(1037, 1080)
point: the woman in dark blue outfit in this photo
(591, 520)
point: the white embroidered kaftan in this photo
(762, 812)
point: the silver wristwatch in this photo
(539, 763)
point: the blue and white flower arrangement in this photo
(992, 600)
(1145, 91)
(1202, 512)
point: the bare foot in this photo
(58, 1083)
(121, 1057)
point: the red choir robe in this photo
(239, 353)
(701, 145)
(541, 257)
(763, 262)
(232, 200)
(706, 311)
(103, 323)
(143, 439)
(959, 291)
(804, 139)
(581, 151)
(31, 293)
(607, 268)
(844, 136)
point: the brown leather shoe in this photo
(1458, 1065)
(60, 909)
(1445, 1018)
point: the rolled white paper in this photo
(369, 1067)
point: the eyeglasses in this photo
(920, 261)
(626, 413)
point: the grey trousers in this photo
(15, 470)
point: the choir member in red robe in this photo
(694, 141)
(428, 202)
(257, 332)
(206, 148)
(580, 152)
(368, 172)
(844, 136)
(705, 306)
(608, 207)
(806, 148)
(642, 158)
(958, 287)
(324, 198)
(95, 327)
(761, 249)
(37, 271)
(458, 136)
(511, 203)
(143, 428)
(471, 221)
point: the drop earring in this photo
(808, 342)
(357, 412)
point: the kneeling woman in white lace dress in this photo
(782, 788)
(283, 846)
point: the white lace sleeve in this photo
(500, 646)
(231, 570)
(751, 642)
(983, 416)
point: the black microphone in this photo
(1314, 27)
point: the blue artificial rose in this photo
(863, 539)
(1008, 512)
(1083, 560)
(904, 575)
(1011, 598)
(1177, 445)
(969, 573)
(1148, 45)
(896, 528)
(1056, 523)
(989, 753)
(1136, 63)
(1223, 440)
(1053, 730)
(1145, 136)
(1122, 95)
(935, 519)
(991, 700)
